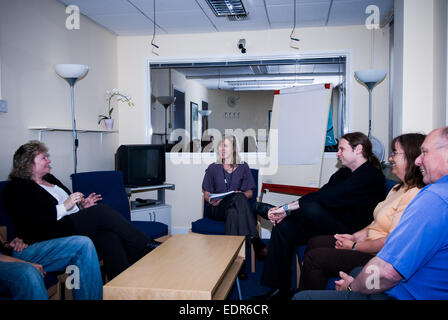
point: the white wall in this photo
(194, 92)
(253, 108)
(135, 52)
(420, 68)
(33, 38)
(160, 86)
(440, 63)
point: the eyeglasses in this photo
(394, 153)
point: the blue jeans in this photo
(54, 255)
(21, 281)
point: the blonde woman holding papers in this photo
(228, 174)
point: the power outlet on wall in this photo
(3, 106)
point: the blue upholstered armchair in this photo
(111, 187)
(209, 226)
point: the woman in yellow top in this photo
(326, 255)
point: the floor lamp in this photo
(371, 77)
(166, 101)
(72, 73)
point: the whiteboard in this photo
(297, 135)
(302, 124)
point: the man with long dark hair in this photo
(344, 205)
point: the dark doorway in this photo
(179, 110)
(204, 119)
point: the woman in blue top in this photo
(229, 173)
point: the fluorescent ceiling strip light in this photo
(266, 88)
(267, 82)
(272, 75)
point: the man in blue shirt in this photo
(413, 263)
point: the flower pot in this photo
(109, 124)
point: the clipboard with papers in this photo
(217, 196)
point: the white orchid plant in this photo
(120, 97)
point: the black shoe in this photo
(151, 245)
(242, 275)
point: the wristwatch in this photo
(286, 208)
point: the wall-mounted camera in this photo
(242, 45)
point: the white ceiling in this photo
(136, 17)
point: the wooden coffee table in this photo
(184, 267)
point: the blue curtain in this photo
(330, 140)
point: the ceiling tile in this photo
(192, 21)
(101, 7)
(184, 16)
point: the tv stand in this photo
(160, 190)
(160, 212)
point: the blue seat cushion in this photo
(153, 230)
(389, 185)
(300, 251)
(208, 226)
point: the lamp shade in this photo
(166, 100)
(370, 76)
(71, 70)
(205, 113)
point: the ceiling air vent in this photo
(223, 8)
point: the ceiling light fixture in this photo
(247, 83)
(223, 8)
(153, 21)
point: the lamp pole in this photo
(72, 81)
(72, 73)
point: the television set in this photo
(141, 164)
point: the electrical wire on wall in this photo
(294, 39)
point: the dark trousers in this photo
(296, 229)
(236, 212)
(117, 242)
(323, 261)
